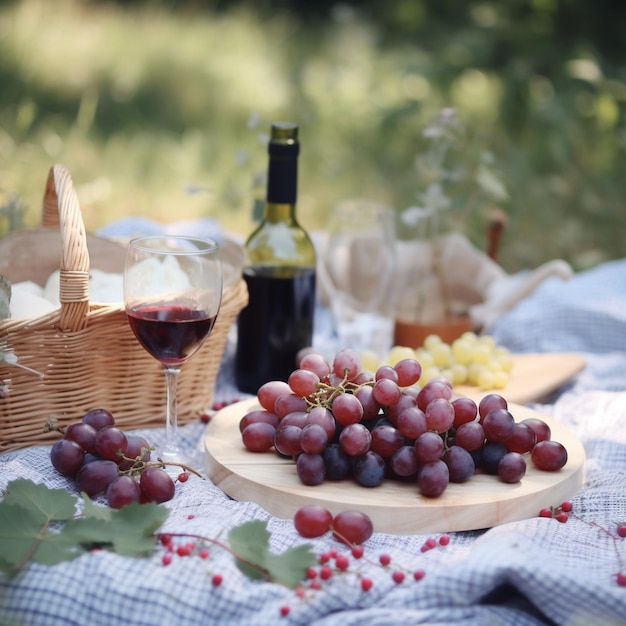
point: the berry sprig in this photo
(563, 512)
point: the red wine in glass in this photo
(170, 333)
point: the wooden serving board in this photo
(394, 507)
(533, 377)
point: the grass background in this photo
(161, 109)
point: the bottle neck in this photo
(282, 175)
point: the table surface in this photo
(535, 571)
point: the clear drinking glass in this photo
(358, 272)
(172, 295)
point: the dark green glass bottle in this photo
(279, 270)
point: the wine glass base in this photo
(175, 459)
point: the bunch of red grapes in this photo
(103, 459)
(338, 421)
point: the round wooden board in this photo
(394, 507)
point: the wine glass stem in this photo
(171, 424)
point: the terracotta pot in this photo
(413, 335)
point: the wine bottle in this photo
(279, 269)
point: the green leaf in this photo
(250, 543)
(50, 504)
(128, 531)
(28, 510)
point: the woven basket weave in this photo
(86, 352)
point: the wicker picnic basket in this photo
(86, 353)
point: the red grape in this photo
(99, 418)
(491, 402)
(386, 371)
(541, 429)
(347, 409)
(512, 467)
(439, 415)
(386, 440)
(93, 478)
(352, 527)
(470, 436)
(347, 363)
(109, 441)
(122, 491)
(460, 464)
(411, 422)
(435, 388)
(67, 457)
(324, 418)
(428, 447)
(258, 436)
(312, 520)
(311, 469)
(404, 462)
(287, 440)
(371, 407)
(549, 455)
(156, 485)
(409, 372)
(386, 392)
(258, 415)
(369, 469)
(288, 403)
(313, 439)
(522, 440)
(433, 478)
(303, 382)
(83, 434)
(498, 424)
(465, 410)
(316, 363)
(355, 439)
(269, 392)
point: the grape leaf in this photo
(29, 510)
(129, 530)
(250, 543)
(26, 514)
(52, 504)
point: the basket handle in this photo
(61, 209)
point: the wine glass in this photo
(358, 274)
(172, 295)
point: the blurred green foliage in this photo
(161, 108)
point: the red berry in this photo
(384, 559)
(311, 573)
(342, 562)
(357, 551)
(284, 611)
(204, 553)
(444, 540)
(183, 477)
(216, 580)
(398, 577)
(167, 558)
(561, 517)
(418, 574)
(621, 530)
(325, 572)
(566, 506)
(621, 579)
(545, 512)
(366, 584)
